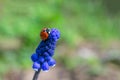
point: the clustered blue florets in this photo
(42, 58)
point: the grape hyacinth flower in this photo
(43, 56)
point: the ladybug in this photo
(44, 33)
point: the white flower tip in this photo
(35, 69)
(53, 65)
(46, 70)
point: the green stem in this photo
(35, 77)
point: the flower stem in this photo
(35, 77)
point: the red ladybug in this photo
(44, 33)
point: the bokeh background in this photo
(89, 48)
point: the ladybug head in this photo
(45, 33)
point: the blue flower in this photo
(43, 57)
(51, 62)
(34, 57)
(45, 66)
(36, 66)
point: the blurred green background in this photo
(82, 23)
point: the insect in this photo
(44, 33)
